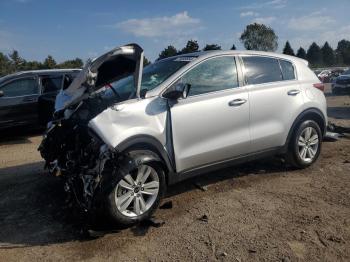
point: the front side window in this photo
(212, 75)
(287, 70)
(259, 70)
(20, 87)
(51, 83)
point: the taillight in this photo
(319, 86)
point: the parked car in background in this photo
(118, 149)
(341, 84)
(325, 76)
(27, 98)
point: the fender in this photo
(315, 113)
(149, 149)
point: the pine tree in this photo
(288, 49)
(301, 53)
(328, 55)
(343, 52)
(233, 47)
(314, 55)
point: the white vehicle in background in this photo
(325, 76)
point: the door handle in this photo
(237, 102)
(293, 92)
(28, 99)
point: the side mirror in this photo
(143, 93)
(179, 90)
(1, 93)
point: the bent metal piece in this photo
(97, 73)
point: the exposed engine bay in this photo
(73, 152)
(70, 148)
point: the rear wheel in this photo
(305, 145)
(136, 195)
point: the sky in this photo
(83, 28)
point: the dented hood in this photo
(116, 64)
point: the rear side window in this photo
(212, 75)
(287, 70)
(259, 70)
(51, 83)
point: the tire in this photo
(304, 149)
(139, 206)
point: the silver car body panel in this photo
(131, 118)
(204, 128)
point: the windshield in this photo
(152, 76)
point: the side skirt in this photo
(189, 173)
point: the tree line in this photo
(255, 37)
(323, 56)
(13, 62)
(263, 38)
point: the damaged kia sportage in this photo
(122, 133)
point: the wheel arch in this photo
(145, 149)
(309, 114)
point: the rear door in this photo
(275, 97)
(212, 123)
(50, 86)
(18, 105)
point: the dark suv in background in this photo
(341, 84)
(27, 98)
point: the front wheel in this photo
(305, 145)
(136, 195)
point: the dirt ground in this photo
(259, 211)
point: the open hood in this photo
(116, 64)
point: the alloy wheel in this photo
(308, 143)
(137, 191)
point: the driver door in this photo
(18, 105)
(211, 125)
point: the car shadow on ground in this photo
(34, 210)
(18, 135)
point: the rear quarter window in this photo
(259, 70)
(287, 70)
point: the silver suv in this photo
(122, 134)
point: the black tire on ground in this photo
(293, 157)
(110, 201)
